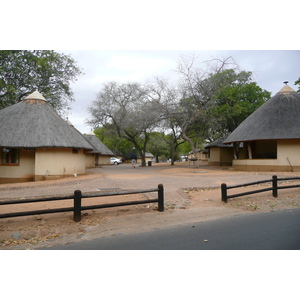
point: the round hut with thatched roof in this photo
(37, 144)
(271, 135)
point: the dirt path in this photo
(190, 196)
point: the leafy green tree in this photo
(157, 145)
(23, 71)
(298, 82)
(110, 138)
(217, 98)
(235, 101)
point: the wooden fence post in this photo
(160, 197)
(77, 206)
(275, 186)
(224, 192)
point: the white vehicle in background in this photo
(115, 161)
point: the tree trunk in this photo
(192, 146)
(143, 157)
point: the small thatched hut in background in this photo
(219, 154)
(37, 144)
(271, 135)
(100, 155)
(202, 154)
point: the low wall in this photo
(262, 165)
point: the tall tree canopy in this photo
(217, 97)
(128, 107)
(238, 98)
(23, 71)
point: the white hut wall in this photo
(59, 162)
(22, 172)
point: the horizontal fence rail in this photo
(77, 204)
(274, 188)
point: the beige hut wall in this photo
(93, 160)
(288, 159)
(104, 159)
(220, 156)
(203, 156)
(200, 156)
(51, 162)
(288, 153)
(214, 156)
(90, 160)
(23, 172)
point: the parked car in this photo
(115, 161)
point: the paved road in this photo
(266, 231)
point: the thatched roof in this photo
(217, 143)
(278, 118)
(98, 146)
(33, 123)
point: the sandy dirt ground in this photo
(201, 204)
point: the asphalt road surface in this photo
(278, 230)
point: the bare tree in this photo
(128, 108)
(166, 102)
(199, 85)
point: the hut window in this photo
(75, 151)
(10, 156)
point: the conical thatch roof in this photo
(278, 118)
(32, 123)
(98, 146)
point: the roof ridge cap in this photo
(286, 89)
(36, 95)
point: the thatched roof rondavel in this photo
(33, 123)
(278, 118)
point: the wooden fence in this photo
(77, 204)
(274, 188)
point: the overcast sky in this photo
(147, 26)
(270, 69)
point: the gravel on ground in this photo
(191, 195)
